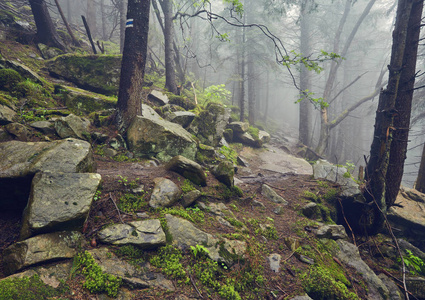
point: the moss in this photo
(194, 215)
(187, 186)
(9, 79)
(168, 259)
(181, 101)
(96, 281)
(320, 283)
(28, 288)
(229, 153)
(130, 203)
(254, 132)
(133, 254)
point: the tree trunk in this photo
(123, 14)
(46, 32)
(74, 40)
(305, 123)
(129, 103)
(420, 182)
(403, 106)
(242, 75)
(170, 73)
(91, 17)
(384, 122)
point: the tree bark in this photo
(242, 75)
(305, 123)
(123, 14)
(377, 166)
(129, 103)
(74, 40)
(46, 32)
(170, 73)
(403, 106)
(420, 182)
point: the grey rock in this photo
(405, 245)
(188, 169)
(184, 118)
(20, 159)
(72, 126)
(349, 255)
(144, 234)
(150, 137)
(158, 98)
(6, 115)
(270, 194)
(391, 286)
(18, 130)
(279, 210)
(274, 261)
(224, 172)
(49, 52)
(5, 136)
(190, 197)
(164, 194)
(23, 70)
(42, 248)
(45, 127)
(110, 152)
(325, 170)
(99, 137)
(264, 137)
(81, 101)
(68, 197)
(333, 232)
(239, 127)
(185, 234)
(218, 209)
(311, 210)
(132, 276)
(258, 203)
(224, 222)
(139, 189)
(209, 125)
(241, 162)
(305, 259)
(246, 139)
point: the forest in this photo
(200, 149)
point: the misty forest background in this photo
(215, 55)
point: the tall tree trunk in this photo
(378, 165)
(46, 32)
(170, 73)
(305, 123)
(129, 103)
(123, 14)
(91, 17)
(403, 106)
(103, 18)
(420, 182)
(242, 75)
(74, 40)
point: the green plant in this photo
(416, 264)
(168, 259)
(254, 132)
(187, 186)
(96, 281)
(130, 203)
(311, 196)
(199, 249)
(128, 184)
(194, 215)
(9, 78)
(134, 254)
(319, 284)
(229, 153)
(28, 288)
(96, 195)
(216, 93)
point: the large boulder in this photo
(144, 234)
(20, 161)
(72, 126)
(165, 193)
(184, 118)
(325, 170)
(158, 98)
(209, 125)
(41, 248)
(96, 73)
(238, 127)
(152, 136)
(81, 101)
(188, 169)
(68, 197)
(19, 131)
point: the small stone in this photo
(278, 210)
(18, 130)
(311, 210)
(139, 189)
(224, 222)
(164, 194)
(334, 232)
(270, 194)
(305, 259)
(190, 197)
(110, 152)
(274, 261)
(241, 162)
(258, 203)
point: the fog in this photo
(247, 56)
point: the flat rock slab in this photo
(41, 249)
(276, 160)
(144, 234)
(334, 232)
(134, 277)
(68, 197)
(20, 159)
